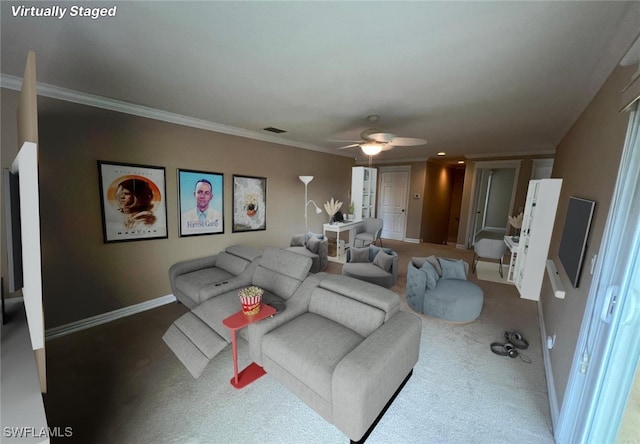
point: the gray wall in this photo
(82, 276)
(500, 197)
(587, 160)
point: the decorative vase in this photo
(251, 299)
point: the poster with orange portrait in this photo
(133, 201)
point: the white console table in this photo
(512, 246)
(341, 227)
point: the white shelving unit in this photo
(535, 236)
(364, 182)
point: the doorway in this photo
(494, 194)
(393, 188)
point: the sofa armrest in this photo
(235, 283)
(323, 254)
(365, 380)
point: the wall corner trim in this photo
(548, 369)
(94, 321)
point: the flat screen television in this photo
(575, 235)
(10, 185)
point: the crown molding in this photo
(69, 95)
(513, 154)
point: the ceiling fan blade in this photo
(408, 141)
(348, 146)
(387, 147)
(381, 137)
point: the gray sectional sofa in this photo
(341, 345)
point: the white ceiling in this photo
(472, 78)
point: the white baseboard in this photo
(412, 241)
(93, 321)
(461, 246)
(551, 387)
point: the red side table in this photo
(235, 322)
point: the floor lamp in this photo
(306, 180)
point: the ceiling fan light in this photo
(371, 149)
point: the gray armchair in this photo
(438, 287)
(364, 264)
(368, 232)
(314, 246)
(489, 249)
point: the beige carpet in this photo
(489, 271)
(120, 383)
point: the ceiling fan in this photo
(374, 141)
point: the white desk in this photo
(512, 246)
(341, 227)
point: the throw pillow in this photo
(359, 254)
(384, 261)
(436, 264)
(453, 269)
(313, 245)
(432, 275)
(311, 234)
(297, 240)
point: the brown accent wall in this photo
(437, 203)
(587, 159)
(84, 277)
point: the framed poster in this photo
(133, 200)
(201, 206)
(249, 203)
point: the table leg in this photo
(234, 348)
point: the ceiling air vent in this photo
(274, 130)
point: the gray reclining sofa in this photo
(341, 345)
(197, 336)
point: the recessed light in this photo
(442, 153)
(460, 162)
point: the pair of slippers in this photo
(513, 341)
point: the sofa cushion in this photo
(215, 310)
(432, 275)
(281, 271)
(244, 251)
(369, 273)
(309, 348)
(453, 269)
(313, 245)
(359, 254)
(353, 314)
(454, 300)
(383, 260)
(233, 264)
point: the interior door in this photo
(393, 203)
